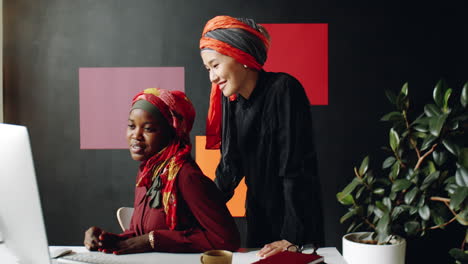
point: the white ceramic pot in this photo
(359, 253)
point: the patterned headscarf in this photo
(240, 39)
(159, 172)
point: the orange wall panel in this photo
(208, 159)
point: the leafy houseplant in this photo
(423, 183)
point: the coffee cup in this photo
(216, 257)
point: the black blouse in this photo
(268, 139)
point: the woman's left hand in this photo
(274, 248)
(131, 245)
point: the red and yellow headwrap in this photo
(177, 109)
(227, 47)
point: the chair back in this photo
(124, 216)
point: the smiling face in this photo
(146, 134)
(230, 75)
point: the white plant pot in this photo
(359, 253)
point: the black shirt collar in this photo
(257, 91)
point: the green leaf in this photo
(364, 166)
(388, 203)
(413, 210)
(430, 168)
(381, 206)
(397, 212)
(394, 140)
(370, 210)
(421, 128)
(450, 188)
(392, 116)
(424, 212)
(447, 94)
(346, 200)
(462, 217)
(421, 119)
(395, 171)
(400, 184)
(438, 220)
(379, 191)
(453, 125)
(404, 89)
(458, 197)
(410, 174)
(438, 93)
(439, 157)
(409, 196)
(356, 227)
(427, 142)
(422, 201)
(432, 110)
(388, 162)
(348, 215)
(391, 96)
(383, 227)
(463, 158)
(450, 146)
(380, 209)
(429, 179)
(461, 177)
(419, 135)
(436, 123)
(464, 95)
(359, 192)
(412, 227)
(351, 227)
(348, 189)
(459, 255)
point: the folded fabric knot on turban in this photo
(240, 39)
(159, 172)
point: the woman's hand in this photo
(91, 240)
(113, 243)
(134, 245)
(108, 242)
(273, 248)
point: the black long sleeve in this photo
(268, 139)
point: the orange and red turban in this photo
(240, 39)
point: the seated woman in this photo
(177, 208)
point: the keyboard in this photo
(91, 258)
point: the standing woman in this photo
(263, 126)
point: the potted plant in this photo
(421, 185)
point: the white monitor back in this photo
(21, 221)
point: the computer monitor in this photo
(21, 220)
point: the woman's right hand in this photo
(91, 240)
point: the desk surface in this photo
(331, 255)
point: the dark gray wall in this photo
(371, 48)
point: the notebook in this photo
(291, 258)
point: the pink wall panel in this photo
(302, 51)
(105, 98)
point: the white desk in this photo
(331, 255)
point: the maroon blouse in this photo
(204, 221)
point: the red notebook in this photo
(291, 258)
